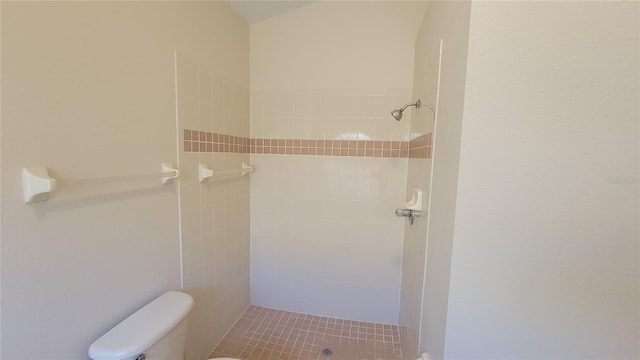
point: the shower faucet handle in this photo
(411, 214)
(403, 212)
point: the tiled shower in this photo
(324, 237)
(323, 240)
(317, 214)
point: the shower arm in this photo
(416, 104)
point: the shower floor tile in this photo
(267, 334)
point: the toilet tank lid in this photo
(143, 328)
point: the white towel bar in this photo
(37, 185)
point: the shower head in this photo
(397, 114)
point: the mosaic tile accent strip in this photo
(202, 141)
(421, 146)
(268, 334)
(359, 148)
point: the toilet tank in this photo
(158, 331)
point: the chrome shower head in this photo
(397, 114)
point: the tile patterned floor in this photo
(267, 334)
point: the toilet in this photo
(155, 332)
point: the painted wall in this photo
(425, 285)
(0, 182)
(324, 238)
(337, 45)
(88, 90)
(546, 253)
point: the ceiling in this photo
(256, 11)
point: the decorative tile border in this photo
(421, 146)
(359, 148)
(202, 141)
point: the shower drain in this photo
(327, 352)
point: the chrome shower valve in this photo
(411, 214)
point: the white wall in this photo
(337, 45)
(0, 182)
(88, 91)
(546, 252)
(324, 238)
(425, 286)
